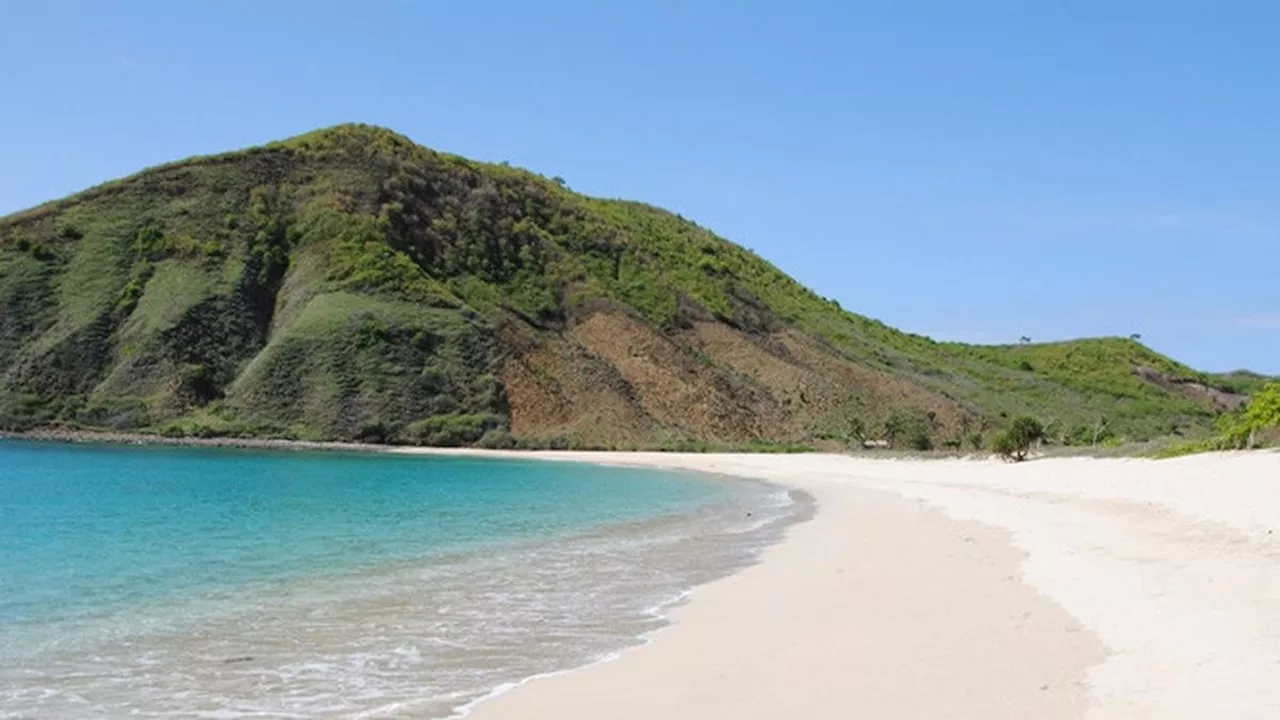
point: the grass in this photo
(171, 291)
(351, 364)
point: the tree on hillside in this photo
(894, 428)
(858, 430)
(1136, 337)
(1015, 442)
(1025, 339)
(909, 429)
(1240, 431)
(1099, 429)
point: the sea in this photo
(152, 581)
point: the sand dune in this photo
(1066, 588)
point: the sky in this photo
(973, 171)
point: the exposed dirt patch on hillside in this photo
(1220, 400)
(677, 388)
(556, 389)
(824, 392)
(878, 392)
(794, 385)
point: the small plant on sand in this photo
(1015, 442)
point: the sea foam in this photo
(339, 585)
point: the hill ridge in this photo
(348, 283)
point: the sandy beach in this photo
(1062, 588)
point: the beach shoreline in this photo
(1059, 588)
(1062, 588)
(102, 437)
(1042, 674)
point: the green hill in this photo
(349, 284)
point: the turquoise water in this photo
(229, 583)
(85, 528)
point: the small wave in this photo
(432, 637)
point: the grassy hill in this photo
(349, 284)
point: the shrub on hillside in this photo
(497, 439)
(19, 413)
(1016, 441)
(919, 440)
(1241, 431)
(910, 429)
(114, 413)
(452, 430)
(377, 433)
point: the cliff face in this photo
(349, 284)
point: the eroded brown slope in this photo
(611, 379)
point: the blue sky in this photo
(973, 171)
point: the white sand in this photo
(1069, 588)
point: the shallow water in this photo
(226, 584)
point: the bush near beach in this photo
(1017, 440)
(1253, 426)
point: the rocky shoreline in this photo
(97, 437)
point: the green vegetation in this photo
(1015, 441)
(1240, 381)
(1262, 415)
(1255, 425)
(350, 284)
(455, 429)
(910, 430)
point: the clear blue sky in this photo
(970, 170)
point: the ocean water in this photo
(217, 583)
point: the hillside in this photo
(349, 284)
